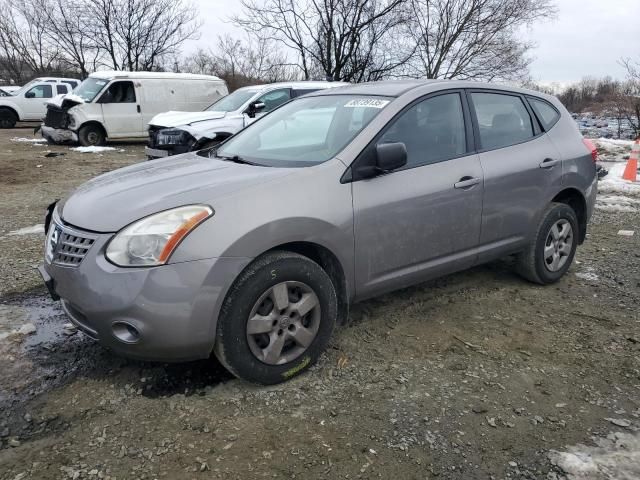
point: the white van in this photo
(28, 103)
(110, 105)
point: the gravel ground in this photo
(476, 375)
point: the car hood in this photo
(66, 100)
(111, 201)
(177, 119)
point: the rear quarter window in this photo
(546, 113)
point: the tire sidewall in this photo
(557, 212)
(232, 343)
(7, 116)
(84, 132)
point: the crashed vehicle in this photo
(111, 105)
(172, 133)
(28, 103)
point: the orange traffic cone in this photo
(631, 170)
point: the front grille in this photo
(55, 117)
(153, 136)
(67, 247)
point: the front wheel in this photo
(8, 119)
(91, 135)
(276, 319)
(551, 251)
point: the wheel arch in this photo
(221, 136)
(330, 263)
(575, 199)
(12, 109)
(94, 123)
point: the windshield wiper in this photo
(234, 159)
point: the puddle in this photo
(45, 315)
(47, 359)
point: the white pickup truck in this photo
(29, 103)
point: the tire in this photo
(8, 118)
(91, 135)
(302, 338)
(551, 252)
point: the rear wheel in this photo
(551, 251)
(277, 318)
(8, 118)
(91, 135)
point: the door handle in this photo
(466, 182)
(138, 108)
(549, 163)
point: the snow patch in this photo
(611, 150)
(28, 140)
(39, 228)
(614, 183)
(92, 149)
(588, 274)
(615, 457)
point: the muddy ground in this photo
(474, 376)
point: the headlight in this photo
(152, 240)
(72, 121)
(172, 137)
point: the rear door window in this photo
(300, 92)
(502, 119)
(61, 89)
(547, 114)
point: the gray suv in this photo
(254, 250)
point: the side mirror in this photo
(385, 158)
(254, 108)
(30, 95)
(390, 156)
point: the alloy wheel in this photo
(283, 322)
(558, 245)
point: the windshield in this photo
(304, 132)
(89, 88)
(26, 87)
(232, 102)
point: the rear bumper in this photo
(172, 308)
(58, 135)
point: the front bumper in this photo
(153, 153)
(58, 135)
(173, 308)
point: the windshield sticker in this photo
(366, 103)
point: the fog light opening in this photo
(125, 332)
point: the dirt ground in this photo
(479, 375)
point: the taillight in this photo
(592, 148)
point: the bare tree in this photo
(25, 48)
(472, 39)
(339, 39)
(68, 27)
(140, 34)
(242, 62)
(632, 104)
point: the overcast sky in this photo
(588, 37)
